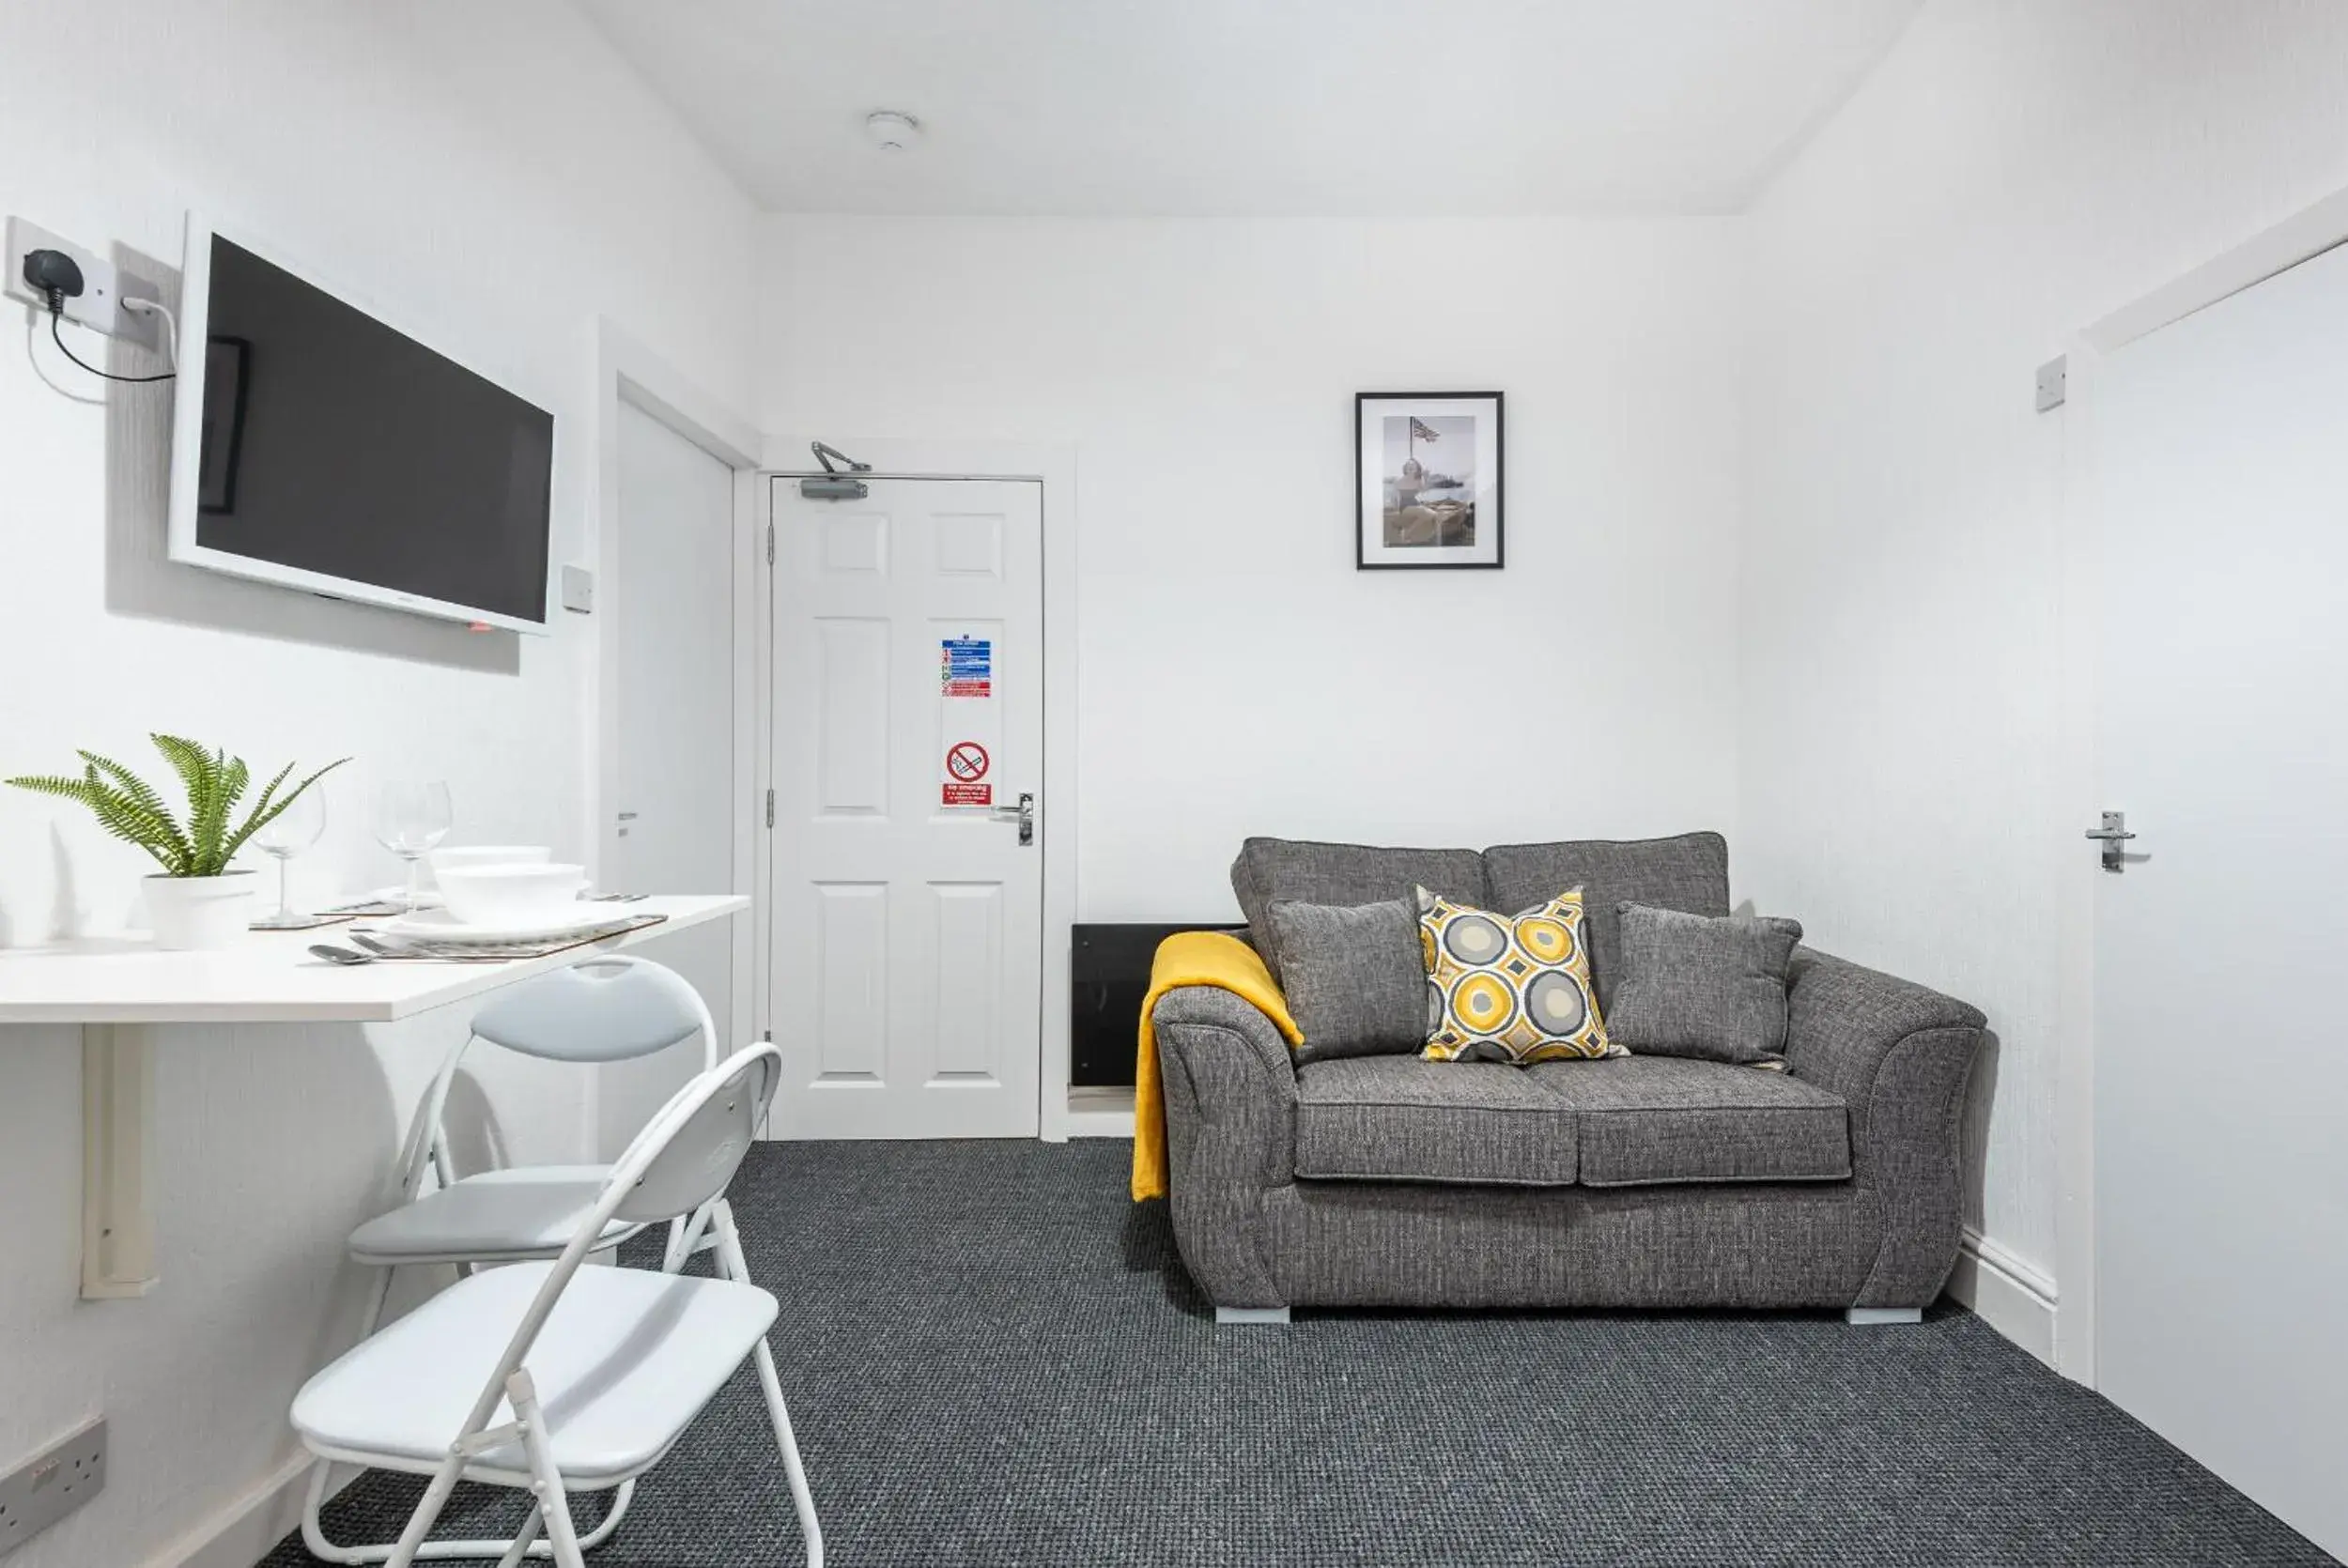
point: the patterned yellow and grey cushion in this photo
(1509, 988)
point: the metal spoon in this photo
(348, 957)
(379, 949)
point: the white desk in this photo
(111, 987)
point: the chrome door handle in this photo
(2113, 834)
(1023, 813)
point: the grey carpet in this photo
(993, 1359)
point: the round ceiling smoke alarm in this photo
(891, 131)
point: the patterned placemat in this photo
(407, 949)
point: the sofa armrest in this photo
(1900, 1055)
(1230, 1083)
(1229, 1086)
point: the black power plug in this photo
(58, 277)
(55, 274)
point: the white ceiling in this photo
(1400, 108)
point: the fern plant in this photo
(203, 844)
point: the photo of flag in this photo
(1426, 507)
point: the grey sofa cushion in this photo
(1354, 978)
(1317, 873)
(1396, 1118)
(1630, 1121)
(1705, 985)
(1689, 873)
(1650, 1119)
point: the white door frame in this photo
(628, 373)
(1055, 467)
(2308, 233)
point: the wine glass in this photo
(287, 833)
(409, 819)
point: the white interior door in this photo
(908, 713)
(672, 823)
(2222, 1054)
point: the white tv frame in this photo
(187, 442)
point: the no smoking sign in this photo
(966, 762)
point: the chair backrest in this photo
(688, 1153)
(606, 1008)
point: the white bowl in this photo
(490, 855)
(510, 894)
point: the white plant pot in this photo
(193, 913)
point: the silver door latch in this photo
(1023, 813)
(2112, 835)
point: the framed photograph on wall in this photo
(1427, 479)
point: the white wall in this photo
(2011, 172)
(494, 172)
(1236, 674)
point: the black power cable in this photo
(56, 313)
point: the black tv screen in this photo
(333, 444)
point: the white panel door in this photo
(908, 711)
(2221, 1054)
(672, 823)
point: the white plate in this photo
(437, 924)
(427, 899)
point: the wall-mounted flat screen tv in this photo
(315, 446)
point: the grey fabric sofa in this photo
(1644, 1182)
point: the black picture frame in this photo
(1368, 522)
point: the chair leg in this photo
(313, 1528)
(382, 1294)
(553, 1502)
(427, 1513)
(801, 1498)
(524, 1539)
(685, 1236)
(724, 1240)
(602, 1532)
(737, 1268)
(527, 1546)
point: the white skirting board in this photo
(2006, 1292)
(1093, 1114)
(249, 1529)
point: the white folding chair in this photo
(608, 1008)
(556, 1378)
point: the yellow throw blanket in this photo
(1192, 958)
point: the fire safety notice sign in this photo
(970, 719)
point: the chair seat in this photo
(531, 1211)
(626, 1360)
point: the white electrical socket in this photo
(99, 306)
(52, 1483)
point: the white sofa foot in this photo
(1883, 1314)
(1251, 1314)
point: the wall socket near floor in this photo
(52, 1485)
(99, 306)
